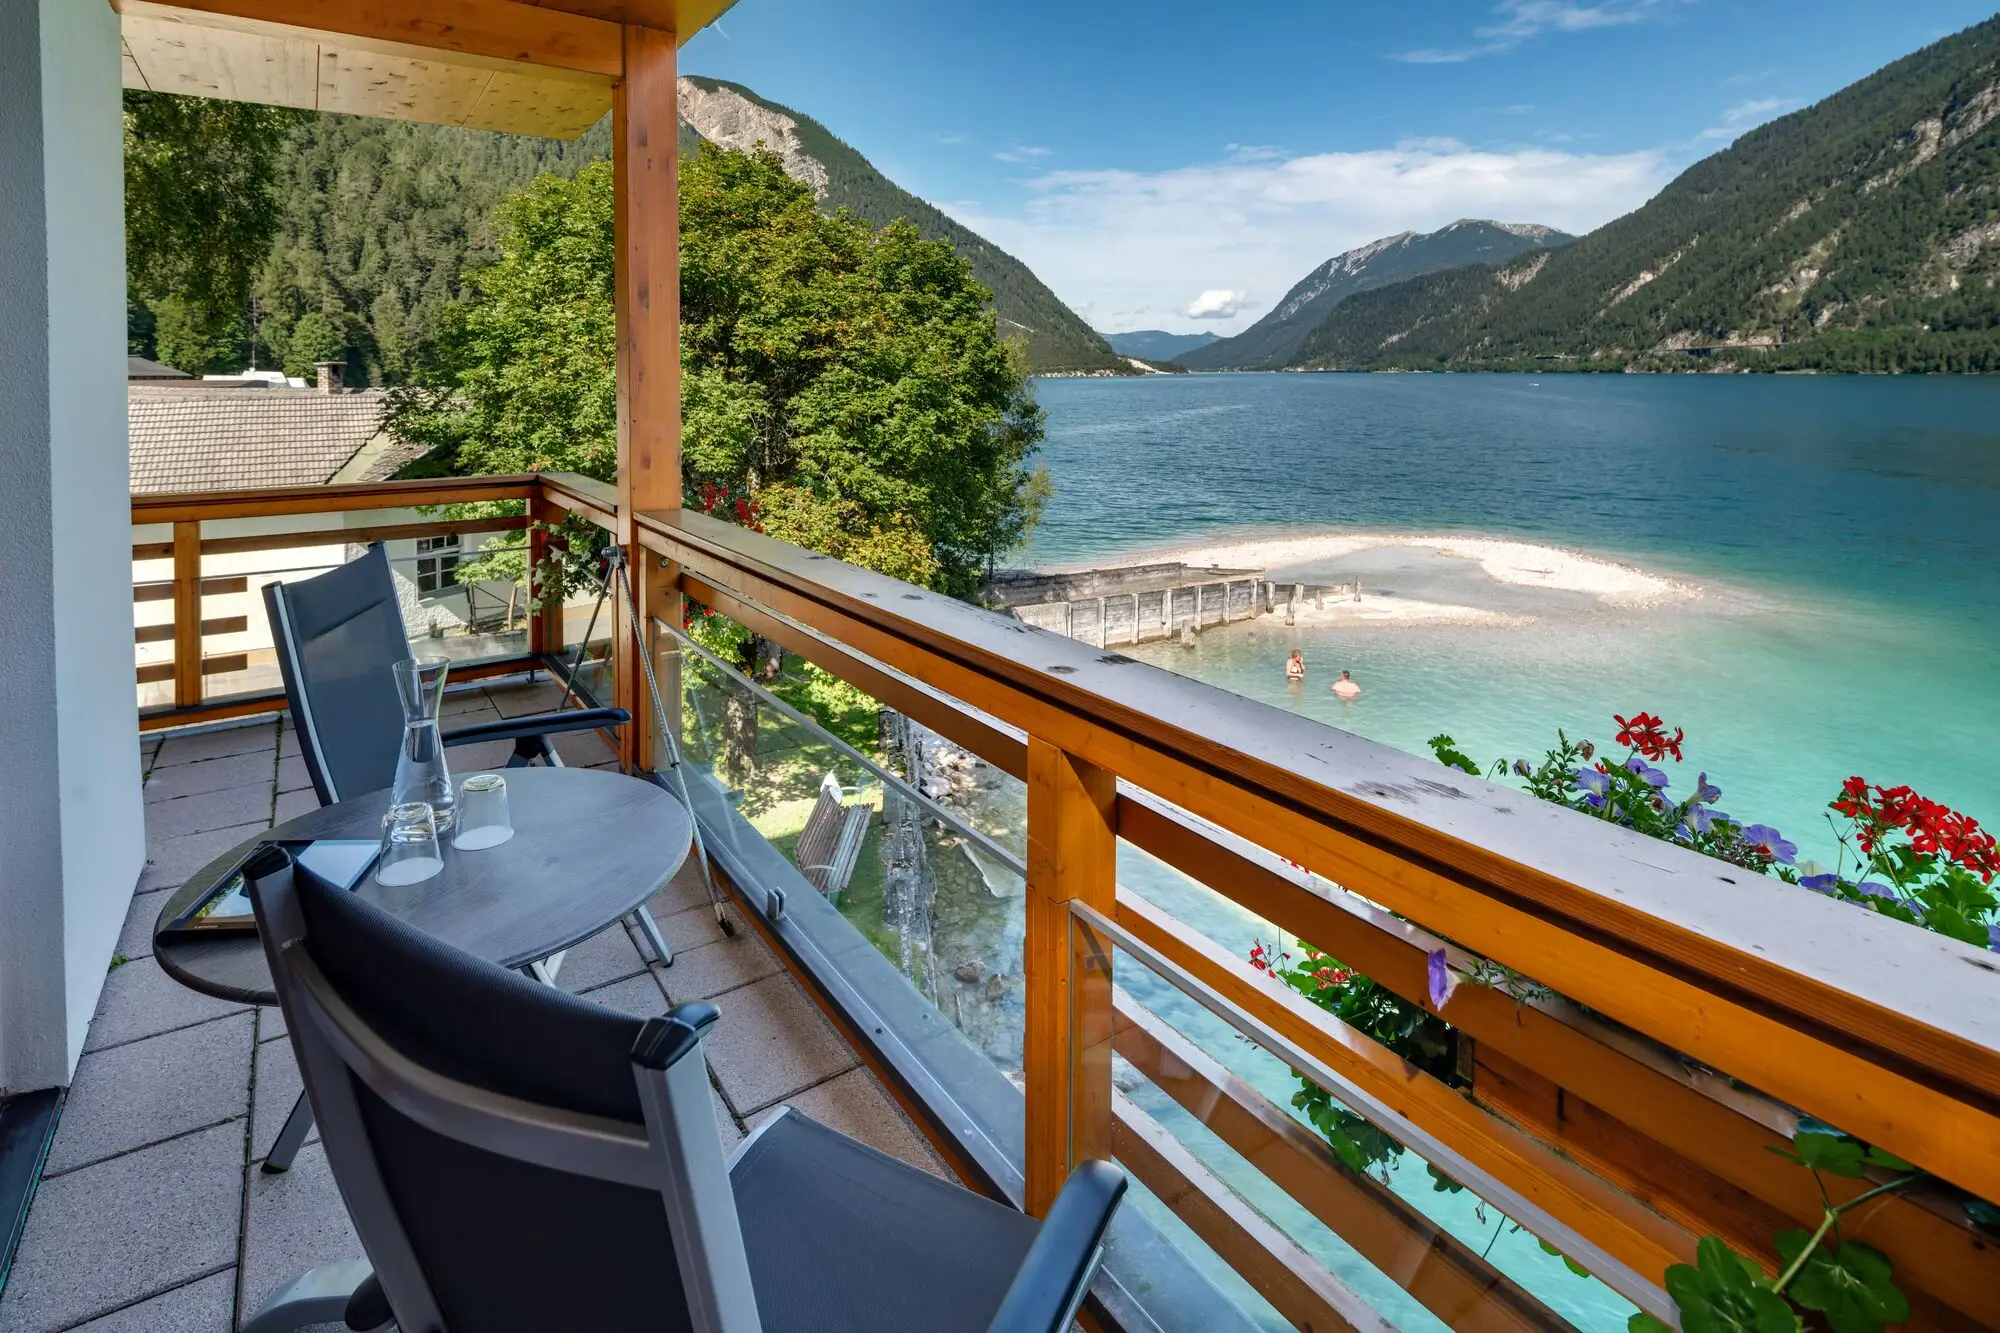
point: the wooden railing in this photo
(199, 523)
(1606, 1122)
(1702, 1007)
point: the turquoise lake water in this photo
(1842, 533)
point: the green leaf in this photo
(1882, 1157)
(1835, 1154)
(1645, 1323)
(1727, 1293)
(1983, 1214)
(1569, 1263)
(1853, 1287)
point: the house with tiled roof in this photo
(197, 438)
(194, 435)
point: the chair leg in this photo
(651, 930)
(316, 1296)
(291, 1138)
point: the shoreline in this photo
(1523, 564)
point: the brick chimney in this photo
(329, 376)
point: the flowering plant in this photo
(1915, 860)
(1902, 855)
(1420, 1037)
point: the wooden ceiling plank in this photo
(396, 87)
(521, 102)
(239, 66)
(134, 76)
(682, 17)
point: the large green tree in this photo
(849, 381)
(199, 217)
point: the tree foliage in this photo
(1055, 338)
(381, 222)
(200, 212)
(849, 381)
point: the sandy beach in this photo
(1523, 564)
(1375, 609)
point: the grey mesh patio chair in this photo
(515, 1158)
(336, 635)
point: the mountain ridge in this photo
(734, 116)
(1861, 233)
(1273, 340)
(1158, 344)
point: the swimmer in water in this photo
(1345, 687)
(1295, 668)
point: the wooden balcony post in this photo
(545, 626)
(1072, 855)
(645, 136)
(187, 614)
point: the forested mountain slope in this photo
(1272, 340)
(735, 117)
(381, 221)
(1158, 344)
(1862, 233)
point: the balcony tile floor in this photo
(153, 1213)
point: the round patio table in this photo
(589, 846)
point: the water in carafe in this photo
(421, 772)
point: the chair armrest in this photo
(1049, 1286)
(663, 1041)
(537, 724)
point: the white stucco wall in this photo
(72, 840)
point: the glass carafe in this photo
(422, 776)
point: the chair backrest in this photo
(511, 1156)
(337, 636)
(819, 840)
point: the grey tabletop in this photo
(589, 846)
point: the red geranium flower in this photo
(1648, 735)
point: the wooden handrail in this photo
(1894, 1034)
(334, 498)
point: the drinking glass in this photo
(482, 813)
(410, 851)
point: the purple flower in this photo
(1651, 776)
(1827, 884)
(1771, 842)
(1594, 782)
(1595, 802)
(1443, 980)
(1697, 822)
(1875, 890)
(1993, 938)
(1705, 793)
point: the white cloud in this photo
(1021, 153)
(1742, 118)
(1520, 20)
(1219, 303)
(1130, 245)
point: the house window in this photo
(437, 563)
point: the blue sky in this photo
(1180, 166)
